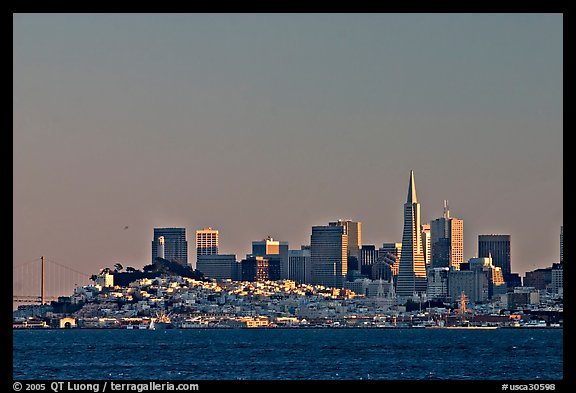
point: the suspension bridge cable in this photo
(21, 265)
(68, 268)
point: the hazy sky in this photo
(268, 124)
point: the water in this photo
(276, 354)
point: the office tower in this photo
(412, 267)
(219, 267)
(206, 242)
(437, 287)
(493, 284)
(256, 268)
(447, 240)
(175, 245)
(329, 255)
(368, 256)
(354, 231)
(390, 252)
(557, 285)
(498, 246)
(299, 266)
(426, 244)
(273, 250)
(562, 243)
(539, 278)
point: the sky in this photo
(268, 124)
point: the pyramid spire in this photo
(411, 190)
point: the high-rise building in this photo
(557, 285)
(437, 283)
(562, 243)
(412, 267)
(273, 250)
(447, 240)
(220, 267)
(329, 255)
(206, 242)
(493, 274)
(368, 256)
(299, 266)
(498, 246)
(256, 268)
(390, 252)
(538, 278)
(426, 244)
(354, 231)
(175, 247)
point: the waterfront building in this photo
(217, 266)
(329, 256)
(412, 267)
(276, 250)
(474, 284)
(497, 246)
(175, 246)
(521, 296)
(299, 265)
(447, 240)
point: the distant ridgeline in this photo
(159, 267)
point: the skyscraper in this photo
(329, 255)
(498, 246)
(562, 243)
(175, 247)
(390, 252)
(412, 267)
(426, 244)
(299, 265)
(354, 231)
(447, 240)
(273, 250)
(207, 241)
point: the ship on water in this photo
(161, 322)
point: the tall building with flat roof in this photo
(412, 267)
(219, 267)
(427, 244)
(354, 231)
(390, 252)
(447, 240)
(299, 266)
(175, 247)
(329, 256)
(206, 242)
(562, 243)
(497, 246)
(273, 250)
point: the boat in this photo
(161, 322)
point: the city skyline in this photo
(264, 125)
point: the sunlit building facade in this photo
(329, 256)
(412, 267)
